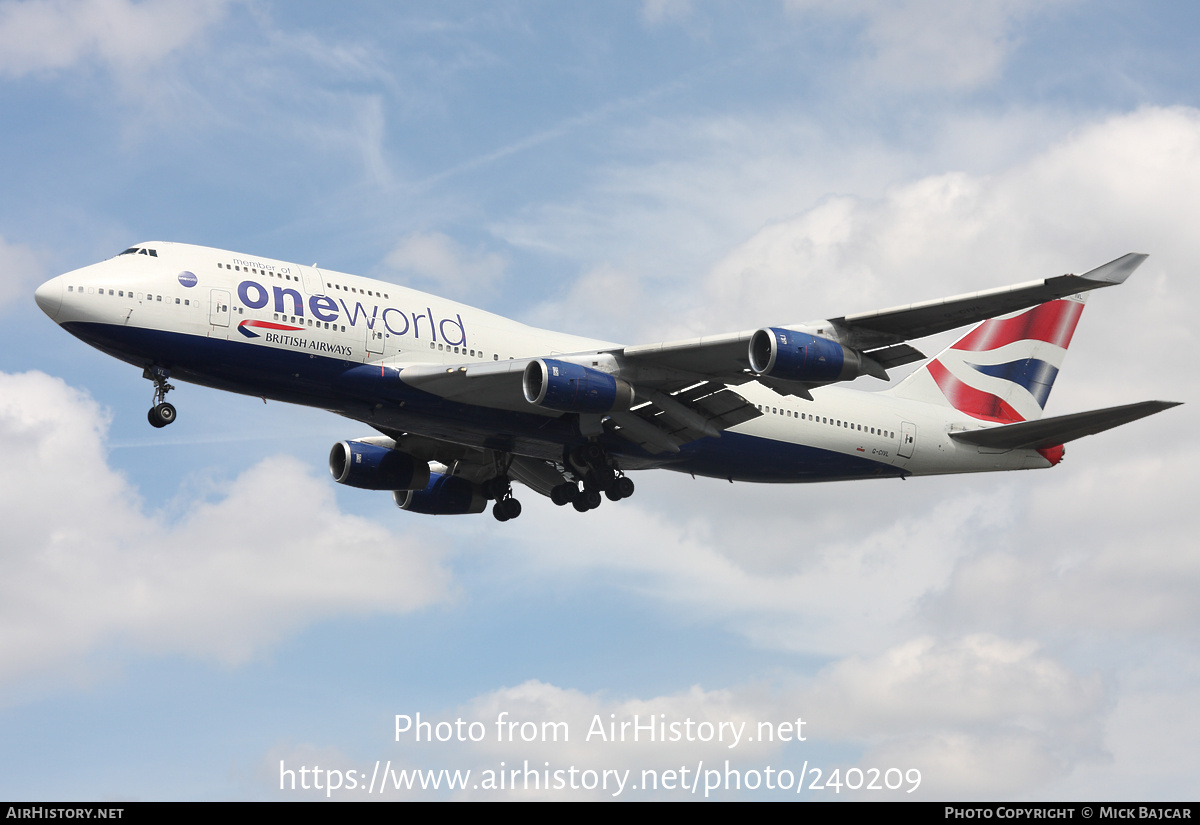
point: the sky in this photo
(191, 613)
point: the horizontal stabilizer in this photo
(1048, 432)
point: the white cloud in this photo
(926, 684)
(691, 191)
(933, 43)
(84, 566)
(600, 303)
(830, 587)
(1106, 552)
(442, 264)
(975, 715)
(49, 35)
(21, 270)
(1116, 186)
(657, 12)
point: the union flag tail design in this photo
(1003, 369)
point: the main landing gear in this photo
(506, 507)
(162, 413)
(600, 474)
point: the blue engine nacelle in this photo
(443, 496)
(373, 467)
(561, 385)
(798, 356)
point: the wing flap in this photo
(700, 411)
(896, 355)
(1048, 432)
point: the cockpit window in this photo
(134, 250)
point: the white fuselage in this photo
(280, 330)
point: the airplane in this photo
(464, 402)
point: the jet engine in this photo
(798, 356)
(375, 467)
(443, 496)
(561, 385)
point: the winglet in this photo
(1115, 272)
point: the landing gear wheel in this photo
(161, 415)
(598, 474)
(505, 509)
(564, 493)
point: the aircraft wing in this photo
(663, 415)
(880, 335)
(1048, 432)
(893, 326)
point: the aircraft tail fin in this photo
(1004, 368)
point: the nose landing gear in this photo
(162, 413)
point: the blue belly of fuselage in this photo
(317, 380)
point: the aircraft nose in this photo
(49, 297)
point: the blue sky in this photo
(180, 610)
